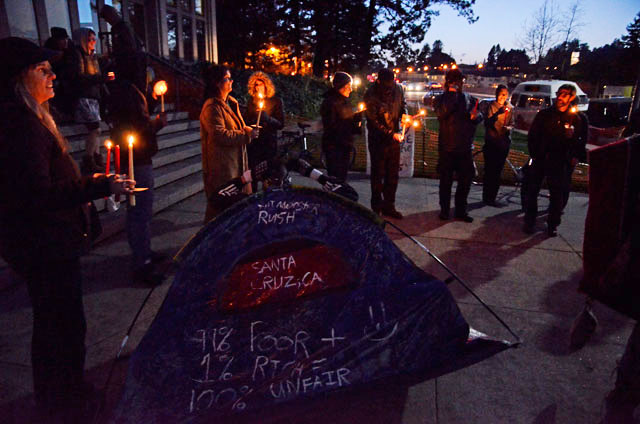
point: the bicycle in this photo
(289, 139)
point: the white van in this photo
(531, 96)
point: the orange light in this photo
(573, 109)
(108, 144)
(415, 124)
(480, 66)
(130, 140)
(445, 66)
(261, 105)
(361, 107)
(426, 68)
(160, 88)
(454, 66)
(409, 69)
(422, 112)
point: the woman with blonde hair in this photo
(45, 226)
(261, 89)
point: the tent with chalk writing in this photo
(290, 296)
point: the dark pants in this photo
(385, 166)
(337, 158)
(139, 217)
(559, 181)
(260, 150)
(462, 165)
(59, 327)
(494, 159)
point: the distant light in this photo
(426, 68)
(454, 66)
(444, 66)
(480, 66)
(273, 50)
(357, 81)
(409, 69)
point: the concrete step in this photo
(75, 130)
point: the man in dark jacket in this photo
(128, 113)
(385, 107)
(339, 123)
(556, 142)
(458, 117)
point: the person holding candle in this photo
(224, 136)
(497, 140)
(556, 142)
(128, 113)
(339, 123)
(458, 117)
(385, 109)
(85, 79)
(45, 226)
(265, 147)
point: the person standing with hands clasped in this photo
(340, 123)
(45, 226)
(385, 108)
(497, 141)
(458, 117)
(556, 141)
(224, 137)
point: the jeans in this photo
(139, 217)
(462, 165)
(385, 166)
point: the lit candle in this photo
(132, 198)
(361, 107)
(405, 124)
(573, 109)
(260, 106)
(116, 162)
(108, 145)
(415, 124)
(159, 89)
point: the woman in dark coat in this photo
(45, 224)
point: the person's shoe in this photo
(494, 203)
(552, 231)
(392, 213)
(465, 218)
(444, 216)
(529, 228)
(147, 275)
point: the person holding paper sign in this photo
(458, 117)
(224, 136)
(45, 226)
(128, 113)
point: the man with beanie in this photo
(385, 107)
(339, 123)
(458, 117)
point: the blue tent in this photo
(288, 296)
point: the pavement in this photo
(530, 281)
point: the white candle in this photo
(132, 198)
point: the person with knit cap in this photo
(45, 226)
(340, 123)
(265, 147)
(385, 108)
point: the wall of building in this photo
(174, 29)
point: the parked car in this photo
(607, 118)
(528, 98)
(428, 98)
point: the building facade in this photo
(173, 29)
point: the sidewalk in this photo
(530, 281)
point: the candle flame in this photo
(415, 124)
(573, 109)
(160, 88)
(130, 140)
(260, 96)
(361, 107)
(422, 112)
(260, 105)
(108, 144)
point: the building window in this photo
(199, 10)
(22, 19)
(187, 39)
(58, 14)
(172, 35)
(117, 4)
(186, 5)
(200, 40)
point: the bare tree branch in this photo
(572, 21)
(541, 33)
